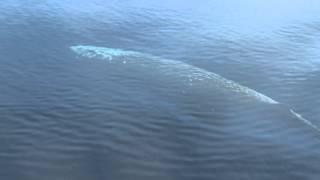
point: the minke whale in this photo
(172, 66)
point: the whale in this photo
(188, 72)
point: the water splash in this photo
(102, 52)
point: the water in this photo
(65, 116)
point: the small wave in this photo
(300, 117)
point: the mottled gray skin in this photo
(177, 68)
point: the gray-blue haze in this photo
(64, 116)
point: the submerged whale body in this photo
(179, 69)
(189, 70)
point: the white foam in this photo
(300, 117)
(191, 72)
(195, 73)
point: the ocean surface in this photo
(64, 116)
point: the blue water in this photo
(65, 116)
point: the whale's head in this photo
(101, 52)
